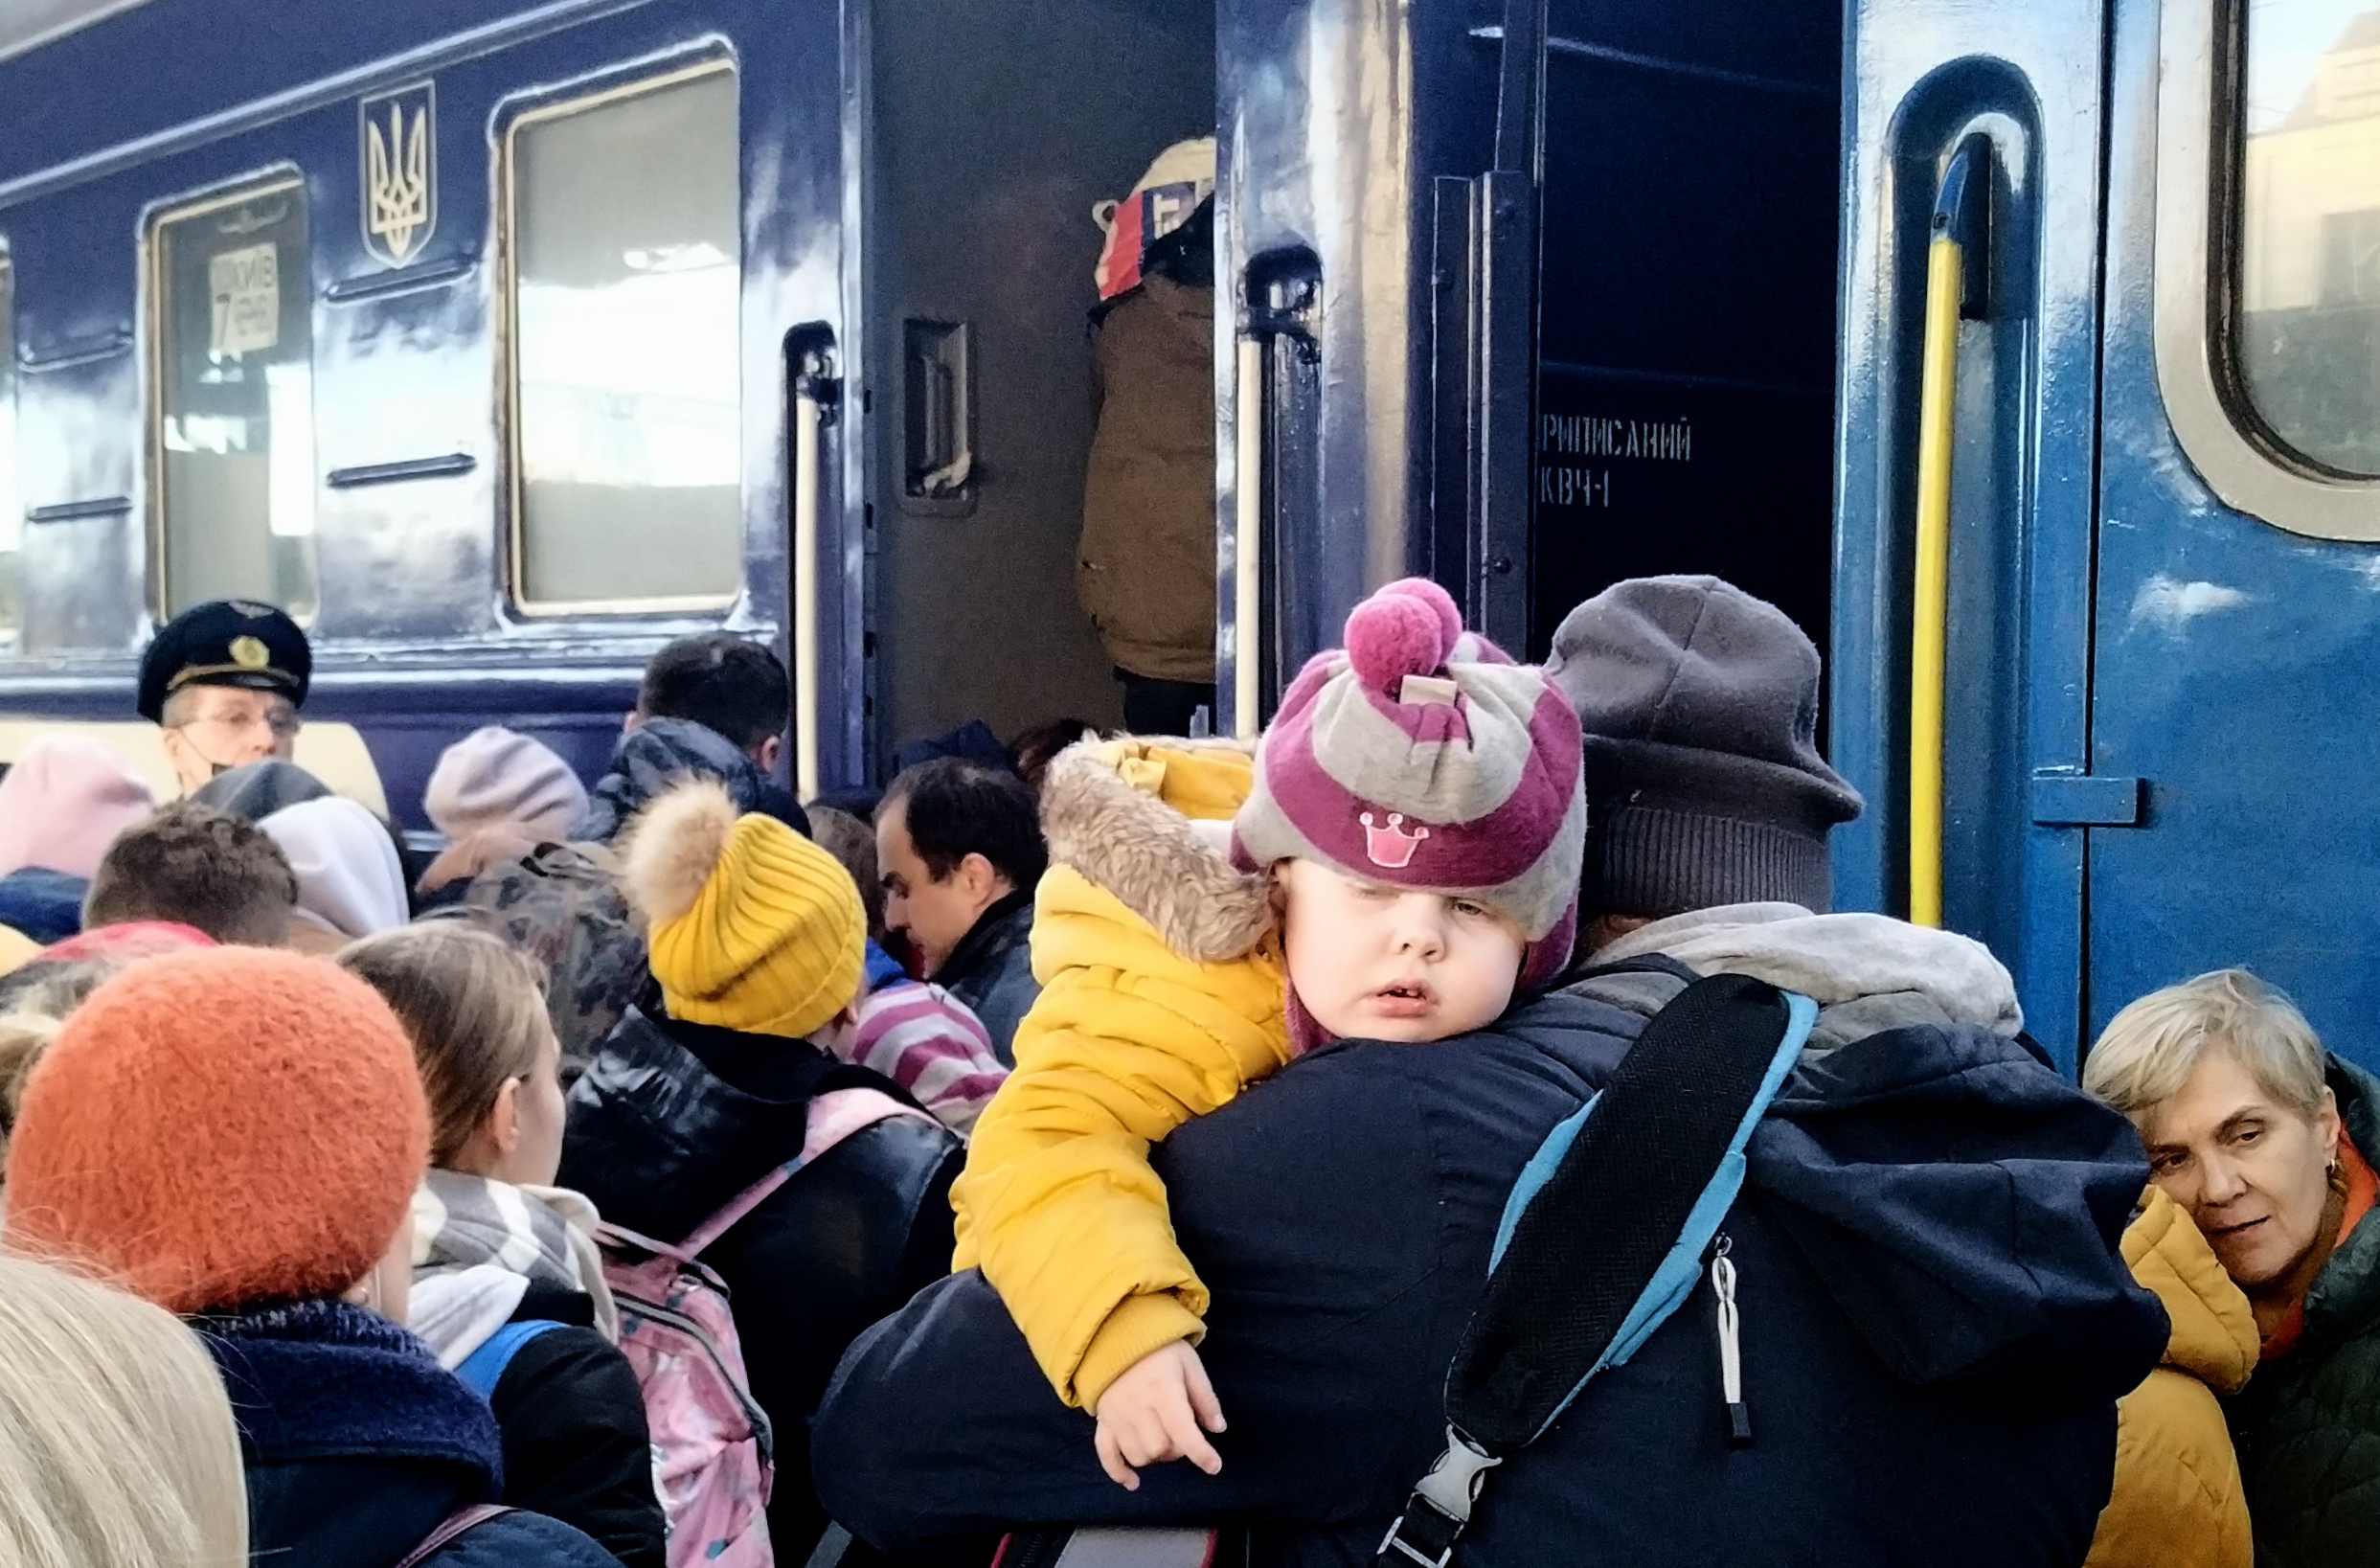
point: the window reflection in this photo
(235, 412)
(626, 282)
(2310, 235)
(12, 492)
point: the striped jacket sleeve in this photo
(929, 1042)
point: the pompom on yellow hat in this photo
(750, 925)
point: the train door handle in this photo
(1281, 297)
(816, 392)
(1247, 542)
(940, 466)
(1955, 289)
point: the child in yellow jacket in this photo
(1397, 861)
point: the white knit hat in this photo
(350, 881)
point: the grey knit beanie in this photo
(1705, 787)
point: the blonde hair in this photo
(854, 843)
(34, 1015)
(117, 1443)
(23, 1038)
(474, 1009)
(2147, 1051)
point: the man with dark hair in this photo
(723, 683)
(195, 866)
(712, 706)
(960, 852)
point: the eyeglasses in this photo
(281, 722)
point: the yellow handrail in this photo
(1929, 633)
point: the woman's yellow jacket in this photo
(2177, 1501)
(1162, 997)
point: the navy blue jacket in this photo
(1936, 1325)
(44, 904)
(662, 753)
(358, 1444)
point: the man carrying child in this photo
(1934, 1320)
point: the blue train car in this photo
(2025, 354)
(502, 343)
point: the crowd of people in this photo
(1122, 1131)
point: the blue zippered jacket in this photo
(356, 1445)
(1936, 1323)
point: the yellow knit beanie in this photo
(750, 926)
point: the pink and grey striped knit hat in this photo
(1423, 757)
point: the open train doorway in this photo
(1004, 144)
(1684, 415)
(1683, 309)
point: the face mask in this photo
(215, 769)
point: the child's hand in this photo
(1154, 1412)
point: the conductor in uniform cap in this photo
(225, 680)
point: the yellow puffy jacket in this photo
(2177, 1501)
(1161, 996)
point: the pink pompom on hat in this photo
(1423, 757)
(64, 801)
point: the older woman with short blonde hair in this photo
(2258, 1134)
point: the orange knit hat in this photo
(223, 1127)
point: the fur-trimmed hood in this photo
(1149, 821)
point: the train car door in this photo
(1969, 343)
(1579, 325)
(1686, 302)
(2237, 613)
(991, 137)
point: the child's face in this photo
(1377, 963)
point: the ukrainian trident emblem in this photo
(401, 172)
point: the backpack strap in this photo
(1142, 1546)
(1604, 1234)
(453, 1525)
(737, 1207)
(483, 1368)
(833, 1116)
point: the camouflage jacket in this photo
(559, 905)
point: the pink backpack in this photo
(712, 1464)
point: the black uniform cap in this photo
(227, 642)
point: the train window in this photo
(11, 493)
(2309, 333)
(235, 417)
(2267, 265)
(625, 279)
